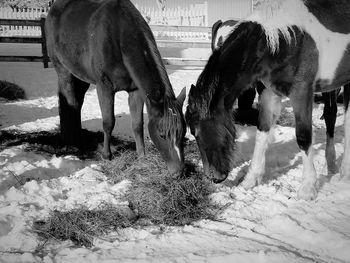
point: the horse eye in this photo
(163, 136)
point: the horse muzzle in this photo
(176, 169)
(217, 177)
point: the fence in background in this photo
(18, 29)
(27, 26)
(194, 15)
(41, 39)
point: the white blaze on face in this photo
(177, 150)
(284, 14)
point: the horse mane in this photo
(279, 18)
(201, 95)
(171, 122)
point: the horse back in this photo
(106, 41)
(333, 14)
(68, 29)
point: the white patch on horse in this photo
(257, 165)
(308, 188)
(345, 165)
(280, 16)
(177, 150)
(223, 32)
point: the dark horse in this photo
(295, 48)
(108, 43)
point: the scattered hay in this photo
(154, 197)
(81, 225)
(11, 91)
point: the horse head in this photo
(215, 136)
(167, 131)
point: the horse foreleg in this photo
(106, 101)
(136, 104)
(345, 165)
(330, 116)
(71, 93)
(269, 111)
(302, 101)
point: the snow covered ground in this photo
(266, 224)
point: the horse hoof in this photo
(249, 183)
(307, 191)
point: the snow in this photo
(265, 224)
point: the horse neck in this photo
(242, 62)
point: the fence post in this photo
(43, 43)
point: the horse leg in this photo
(270, 108)
(106, 100)
(330, 116)
(136, 104)
(302, 102)
(345, 165)
(71, 92)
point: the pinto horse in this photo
(108, 43)
(295, 48)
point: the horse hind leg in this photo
(269, 111)
(71, 92)
(330, 116)
(345, 165)
(105, 95)
(136, 104)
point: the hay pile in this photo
(155, 197)
(11, 91)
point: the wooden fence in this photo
(27, 26)
(194, 15)
(41, 39)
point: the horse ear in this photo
(215, 27)
(181, 97)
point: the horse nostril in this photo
(217, 181)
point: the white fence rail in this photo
(195, 15)
(25, 14)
